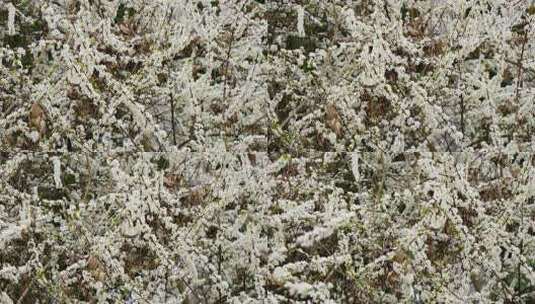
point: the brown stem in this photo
(173, 117)
(520, 66)
(462, 114)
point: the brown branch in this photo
(173, 117)
(520, 66)
(25, 292)
(227, 61)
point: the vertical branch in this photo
(227, 61)
(172, 101)
(519, 81)
(462, 114)
(229, 50)
(461, 98)
(520, 65)
(219, 269)
(25, 291)
(385, 7)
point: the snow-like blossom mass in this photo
(253, 151)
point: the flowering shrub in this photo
(240, 151)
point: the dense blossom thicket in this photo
(231, 151)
